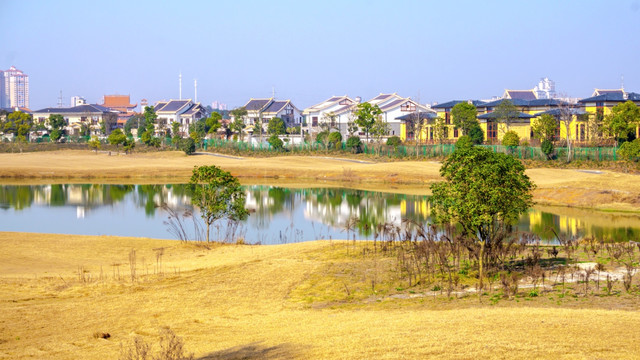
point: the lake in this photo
(278, 214)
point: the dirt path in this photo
(579, 188)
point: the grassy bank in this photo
(232, 302)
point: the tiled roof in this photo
(87, 108)
(495, 115)
(429, 115)
(193, 109)
(256, 104)
(174, 105)
(558, 112)
(393, 104)
(521, 94)
(612, 97)
(452, 103)
(516, 102)
(327, 103)
(118, 101)
(597, 92)
(276, 106)
(159, 105)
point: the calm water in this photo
(279, 214)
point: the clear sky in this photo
(308, 51)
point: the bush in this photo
(547, 148)
(275, 142)
(476, 134)
(464, 141)
(394, 141)
(354, 144)
(335, 139)
(322, 136)
(630, 150)
(187, 145)
(511, 139)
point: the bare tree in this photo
(565, 117)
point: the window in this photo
(446, 132)
(430, 133)
(580, 131)
(408, 106)
(447, 118)
(314, 121)
(455, 133)
(492, 130)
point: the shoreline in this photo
(601, 190)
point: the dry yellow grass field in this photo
(242, 302)
(602, 189)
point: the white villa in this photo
(394, 106)
(338, 107)
(266, 109)
(185, 112)
(90, 115)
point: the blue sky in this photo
(308, 51)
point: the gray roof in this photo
(174, 105)
(87, 108)
(558, 112)
(495, 115)
(613, 97)
(256, 104)
(522, 94)
(452, 103)
(276, 106)
(429, 115)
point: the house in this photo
(121, 104)
(443, 111)
(89, 115)
(185, 112)
(393, 107)
(263, 110)
(334, 110)
(601, 105)
(520, 94)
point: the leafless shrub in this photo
(132, 264)
(171, 348)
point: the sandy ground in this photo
(594, 189)
(234, 302)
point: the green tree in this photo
(622, 121)
(19, 124)
(335, 139)
(476, 134)
(547, 148)
(464, 116)
(57, 124)
(276, 126)
(484, 193)
(275, 142)
(175, 129)
(506, 113)
(133, 122)
(213, 123)
(188, 145)
(545, 127)
(217, 194)
(150, 117)
(237, 125)
(630, 150)
(366, 116)
(116, 138)
(394, 141)
(354, 144)
(128, 145)
(379, 130)
(511, 139)
(94, 144)
(440, 129)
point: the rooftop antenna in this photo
(180, 85)
(60, 100)
(195, 85)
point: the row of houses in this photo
(336, 112)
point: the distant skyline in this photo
(307, 52)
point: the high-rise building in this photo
(78, 100)
(14, 88)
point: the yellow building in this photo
(603, 101)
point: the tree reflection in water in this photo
(281, 214)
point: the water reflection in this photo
(279, 214)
